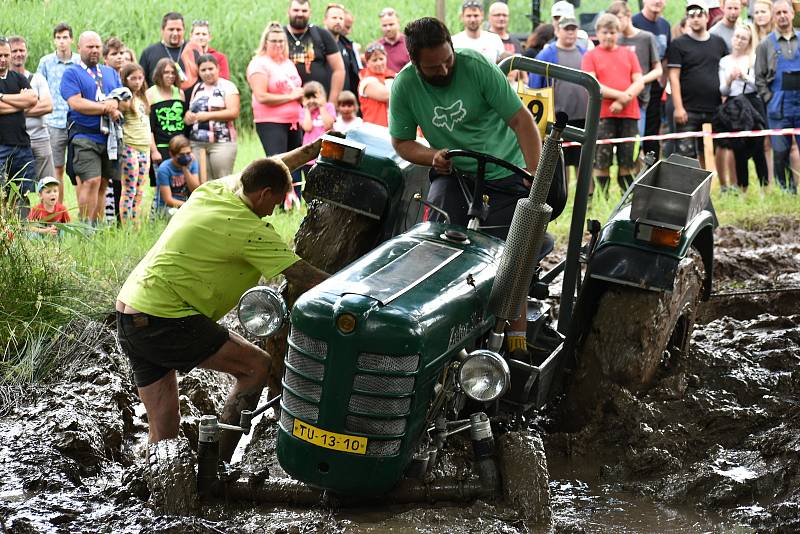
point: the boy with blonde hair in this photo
(619, 74)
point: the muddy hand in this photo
(294, 159)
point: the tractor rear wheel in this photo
(633, 334)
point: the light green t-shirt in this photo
(471, 113)
(212, 250)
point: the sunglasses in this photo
(695, 13)
(348, 103)
(376, 47)
(472, 3)
(387, 11)
(199, 23)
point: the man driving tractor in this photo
(215, 247)
(460, 100)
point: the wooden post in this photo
(441, 13)
(708, 148)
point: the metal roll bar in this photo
(588, 137)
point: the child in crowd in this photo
(375, 86)
(48, 210)
(347, 113)
(316, 118)
(138, 144)
(619, 73)
(176, 177)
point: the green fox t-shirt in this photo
(212, 250)
(472, 112)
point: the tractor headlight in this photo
(262, 311)
(484, 375)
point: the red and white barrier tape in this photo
(682, 135)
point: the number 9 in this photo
(537, 110)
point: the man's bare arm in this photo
(42, 107)
(304, 275)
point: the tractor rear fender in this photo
(620, 258)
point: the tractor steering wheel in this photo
(477, 208)
(483, 159)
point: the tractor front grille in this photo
(372, 412)
(385, 362)
(302, 385)
(300, 408)
(379, 405)
(317, 347)
(305, 363)
(383, 448)
(370, 425)
(384, 384)
(287, 421)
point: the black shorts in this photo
(610, 128)
(156, 345)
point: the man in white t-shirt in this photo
(487, 43)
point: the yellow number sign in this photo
(540, 103)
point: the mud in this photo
(714, 446)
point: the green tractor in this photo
(403, 347)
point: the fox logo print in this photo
(449, 116)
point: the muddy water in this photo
(714, 447)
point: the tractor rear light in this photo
(340, 149)
(660, 235)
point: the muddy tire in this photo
(171, 477)
(633, 334)
(523, 468)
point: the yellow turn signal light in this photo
(662, 236)
(331, 150)
(346, 323)
(340, 149)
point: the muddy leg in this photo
(250, 366)
(161, 402)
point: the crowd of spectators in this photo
(718, 65)
(108, 121)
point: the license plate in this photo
(329, 440)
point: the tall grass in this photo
(236, 25)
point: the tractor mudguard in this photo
(620, 258)
(347, 188)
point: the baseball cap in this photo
(562, 8)
(44, 182)
(568, 21)
(697, 4)
(472, 3)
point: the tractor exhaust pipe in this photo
(517, 264)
